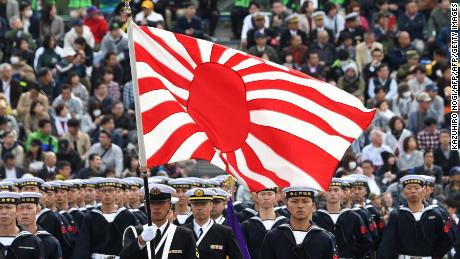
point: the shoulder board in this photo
(250, 211)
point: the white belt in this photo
(102, 256)
(413, 257)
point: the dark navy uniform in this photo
(280, 243)
(370, 224)
(246, 214)
(24, 246)
(140, 216)
(77, 215)
(219, 242)
(378, 219)
(404, 235)
(254, 232)
(353, 239)
(182, 244)
(98, 236)
(51, 247)
(56, 224)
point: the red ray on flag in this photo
(265, 124)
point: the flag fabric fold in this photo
(263, 123)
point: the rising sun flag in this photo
(263, 123)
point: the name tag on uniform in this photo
(175, 251)
(27, 247)
(431, 217)
(216, 247)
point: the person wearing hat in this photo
(256, 228)
(292, 30)
(72, 200)
(453, 187)
(437, 103)
(171, 241)
(16, 242)
(67, 153)
(135, 198)
(353, 239)
(53, 222)
(32, 184)
(300, 238)
(346, 187)
(96, 23)
(90, 194)
(214, 241)
(353, 28)
(182, 209)
(115, 41)
(148, 17)
(78, 30)
(415, 230)
(406, 71)
(219, 202)
(416, 119)
(259, 28)
(26, 214)
(248, 22)
(102, 230)
(318, 17)
(260, 47)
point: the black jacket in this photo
(285, 39)
(182, 245)
(15, 92)
(218, 243)
(51, 246)
(53, 223)
(19, 172)
(24, 246)
(280, 243)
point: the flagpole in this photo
(140, 130)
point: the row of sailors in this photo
(188, 221)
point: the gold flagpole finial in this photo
(229, 183)
(127, 8)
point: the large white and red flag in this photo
(265, 124)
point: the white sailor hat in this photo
(293, 18)
(135, 181)
(258, 16)
(61, 185)
(318, 15)
(300, 191)
(220, 194)
(212, 183)
(47, 187)
(89, 183)
(159, 192)
(9, 197)
(30, 197)
(429, 180)
(351, 16)
(31, 181)
(6, 187)
(181, 183)
(75, 183)
(412, 179)
(197, 182)
(200, 194)
(160, 179)
(337, 182)
(360, 180)
(108, 182)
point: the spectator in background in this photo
(34, 157)
(365, 49)
(404, 102)
(189, 24)
(384, 32)
(208, 11)
(368, 170)
(437, 103)
(414, 23)
(84, 50)
(238, 13)
(9, 86)
(148, 17)
(406, 71)
(51, 23)
(49, 170)
(96, 23)
(325, 50)
(79, 141)
(115, 41)
(292, 30)
(71, 101)
(78, 89)
(353, 28)
(419, 81)
(439, 19)
(71, 61)
(395, 137)
(113, 88)
(259, 20)
(46, 82)
(278, 17)
(78, 30)
(416, 120)
(93, 169)
(383, 81)
(44, 134)
(48, 56)
(410, 157)
(397, 56)
(428, 138)
(110, 61)
(248, 24)
(15, 33)
(101, 97)
(318, 17)
(306, 19)
(25, 101)
(111, 154)
(443, 155)
(260, 48)
(10, 145)
(36, 113)
(297, 50)
(9, 119)
(373, 151)
(107, 124)
(333, 20)
(428, 168)
(369, 71)
(453, 187)
(383, 116)
(9, 8)
(67, 153)
(60, 119)
(312, 67)
(9, 169)
(351, 82)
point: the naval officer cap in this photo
(159, 192)
(32, 181)
(351, 16)
(200, 194)
(181, 183)
(9, 198)
(300, 191)
(30, 197)
(412, 179)
(220, 194)
(319, 15)
(108, 182)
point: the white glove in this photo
(148, 234)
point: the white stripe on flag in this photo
(170, 39)
(145, 71)
(234, 172)
(217, 161)
(280, 166)
(205, 50)
(160, 54)
(334, 145)
(228, 54)
(326, 89)
(340, 123)
(243, 168)
(156, 138)
(154, 98)
(250, 62)
(186, 149)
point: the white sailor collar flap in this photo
(98, 211)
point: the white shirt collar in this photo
(197, 227)
(162, 227)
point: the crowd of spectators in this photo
(66, 101)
